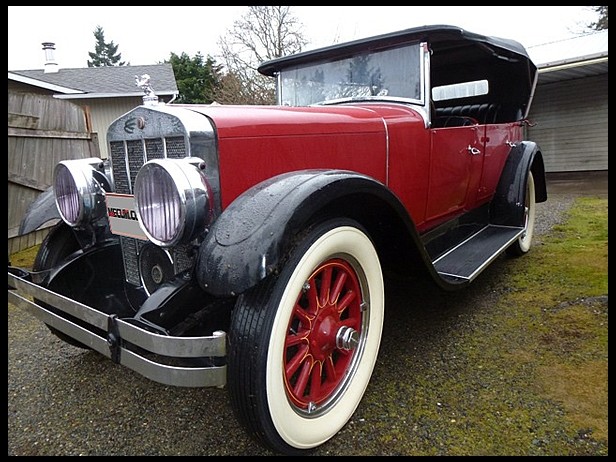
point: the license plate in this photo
(122, 216)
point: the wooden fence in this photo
(42, 131)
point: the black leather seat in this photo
(485, 113)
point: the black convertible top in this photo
(438, 36)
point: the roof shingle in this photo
(111, 80)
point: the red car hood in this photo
(257, 142)
(246, 121)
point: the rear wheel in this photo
(57, 245)
(522, 245)
(304, 343)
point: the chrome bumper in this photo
(117, 333)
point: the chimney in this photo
(50, 59)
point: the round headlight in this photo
(78, 194)
(172, 200)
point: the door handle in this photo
(473, 151)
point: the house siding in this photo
(25, 88)
(571, 124)
(104, 111)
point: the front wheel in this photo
(303, 344)
(522, 245)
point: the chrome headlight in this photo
(172, 200)
(80, 198)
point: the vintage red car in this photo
(247, 246)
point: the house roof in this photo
(572, 58)
(100, 82)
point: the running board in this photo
(469, 258)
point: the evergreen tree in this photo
(105, 54)
(601, 23)
(198, 78)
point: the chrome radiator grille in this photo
(127, 157)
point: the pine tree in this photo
(198, 78)
(105, 54)
(601, 23)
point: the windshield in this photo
(385, 74)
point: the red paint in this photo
(432, 171)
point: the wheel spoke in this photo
(312, 297)
(303, 316)
(348, 298)
(294, 363)
(293, 340)
(330, 370)
(338, 287)
(326, 280)
(302, 379)
(315, 382)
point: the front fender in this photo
(249, 239)
(40, 211)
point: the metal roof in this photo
(572, 58)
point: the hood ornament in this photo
(143, 82)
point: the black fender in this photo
(507, 207)
(249, 239)
(40, 211)
(44, 209)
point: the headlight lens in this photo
(172, 200)
(79, 196)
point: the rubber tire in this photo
(57, 245)
(523, 244)
(260, 325)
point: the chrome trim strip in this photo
(177, 347)
(175, 376)
(173, 347)
(71, 329)
(79, 310)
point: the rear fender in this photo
(507, 208)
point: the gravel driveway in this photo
(67, 401)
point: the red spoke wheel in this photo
(322, 334)
(304, 343)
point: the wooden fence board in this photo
(42, 131)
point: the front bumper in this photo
(147, 353)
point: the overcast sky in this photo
(149, 34)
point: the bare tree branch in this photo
(263, 33)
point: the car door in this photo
(455, 170)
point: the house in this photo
(105, 93)
(570, 107)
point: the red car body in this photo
(390, 143)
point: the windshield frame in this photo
(388, 58)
